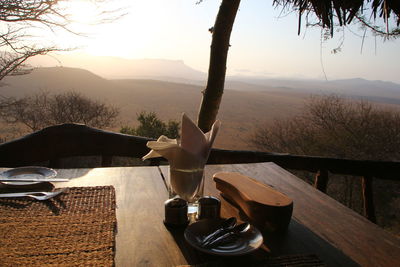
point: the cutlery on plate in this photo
(225, 226)
(35, 195)
(228, 236)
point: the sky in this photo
(263, 42)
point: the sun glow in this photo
(81, 12)
(260, 43)
(138, 34)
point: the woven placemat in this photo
(76, 228)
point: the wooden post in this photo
(368, 198)
(321, 180)
(221, 33)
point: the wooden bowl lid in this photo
(251, 189)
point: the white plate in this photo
(247, 242)
(27, 172)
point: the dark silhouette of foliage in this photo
(151, 126)
(342, 11)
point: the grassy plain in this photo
(240, 111)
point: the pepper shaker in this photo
(209, 208)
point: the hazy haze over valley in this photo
(169, 87)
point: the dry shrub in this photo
(335, 127)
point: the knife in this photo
(27, 179)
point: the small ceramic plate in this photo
(247, 242)
(27, 172)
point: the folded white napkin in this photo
(186, 156)
(192, 149)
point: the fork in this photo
(36, 195)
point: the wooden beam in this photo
(106, 161)
(389, 170)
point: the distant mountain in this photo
(121, 68)
(367, 88)
(55, 79)
(379, 91)
(178, 72)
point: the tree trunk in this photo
(221, 33)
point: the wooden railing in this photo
(367, 169)
(67, 140)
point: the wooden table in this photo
(320, 225)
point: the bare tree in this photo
(18, 18)
(42, 110)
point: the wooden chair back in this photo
(70, 140)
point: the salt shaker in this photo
(176, 210)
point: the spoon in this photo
(228, 236)
(226, 225)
